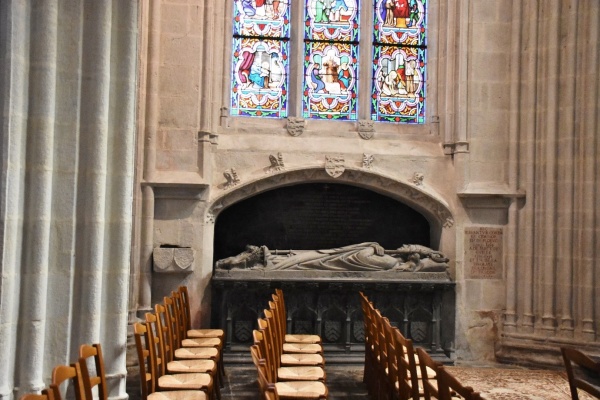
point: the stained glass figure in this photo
(330, 59)
(399, 60)
(260, 61)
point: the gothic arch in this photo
(430, 204)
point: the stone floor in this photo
(493, 382)
(343, 382)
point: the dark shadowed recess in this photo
(317, 216)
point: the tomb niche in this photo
(322, 243)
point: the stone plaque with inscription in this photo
(483, 252)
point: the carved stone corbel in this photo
(366, 128)
(295, 126)
(231, 178)
(367, 161)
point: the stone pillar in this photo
(67, 129)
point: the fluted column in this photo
(67, 96)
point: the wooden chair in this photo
(287, 359)
(67, 373)
(187, 314)
(370, 358)
(288, 337)
(450, 388)
(587, 377)
(93, 352)
(47, 394)
(409, 373)
(279, 325)
(177, 314)
(285, 390)
(182, 385)
(179, 366)
(278, 373)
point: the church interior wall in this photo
(509, 148)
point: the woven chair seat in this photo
(196, 352)
(184, 381)
(294, 338)
(178, 395)
(201, 342)
(308, 390)
(302, 348)
(186, 366)
(300, 373)
(202, 333)
(301, 359)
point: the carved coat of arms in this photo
(334, 166)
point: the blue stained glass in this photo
(259, 78)
(264, 18)
(330, 81)
(398, 93)
(331, 20)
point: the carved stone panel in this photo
(483, 252)
(173, 259)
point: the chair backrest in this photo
(407, 365)
(47, 394)
(147, 372)
(164, 334)
(261, 368)
(154, 345)
(171, 316)
(67, 373)
(450, 385)
(93, 352)
(179, 316)
(429, 388)
(185, 304)
(270, 352)
(586, 366)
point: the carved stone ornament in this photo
(417, 178)
(276, 163)
(334, 166)
(173, 259)
(366, 129)
(231, 178)
(295, 126)
(367, 162)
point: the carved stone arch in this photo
(424, 200)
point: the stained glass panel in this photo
(331, 20)
(330, 80)
(263, 18)
(399, 60)
(400, 22)
(399, 84)
(259, 77)
(259, 81)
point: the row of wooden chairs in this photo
(289, 366)
(395, 369)
(176, 361)
(79, 374)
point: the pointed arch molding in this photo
(428, 203)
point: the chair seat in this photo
(184, 381)
(201, 333)
(294, 338)
(301, 359)
(201, 342)
(302, 373)
(186, 366)
(304, 390)
(178, 395)
(302, 348)
(196, 352)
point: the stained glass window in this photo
(399, 60)
(330, 88)
(260, 62)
